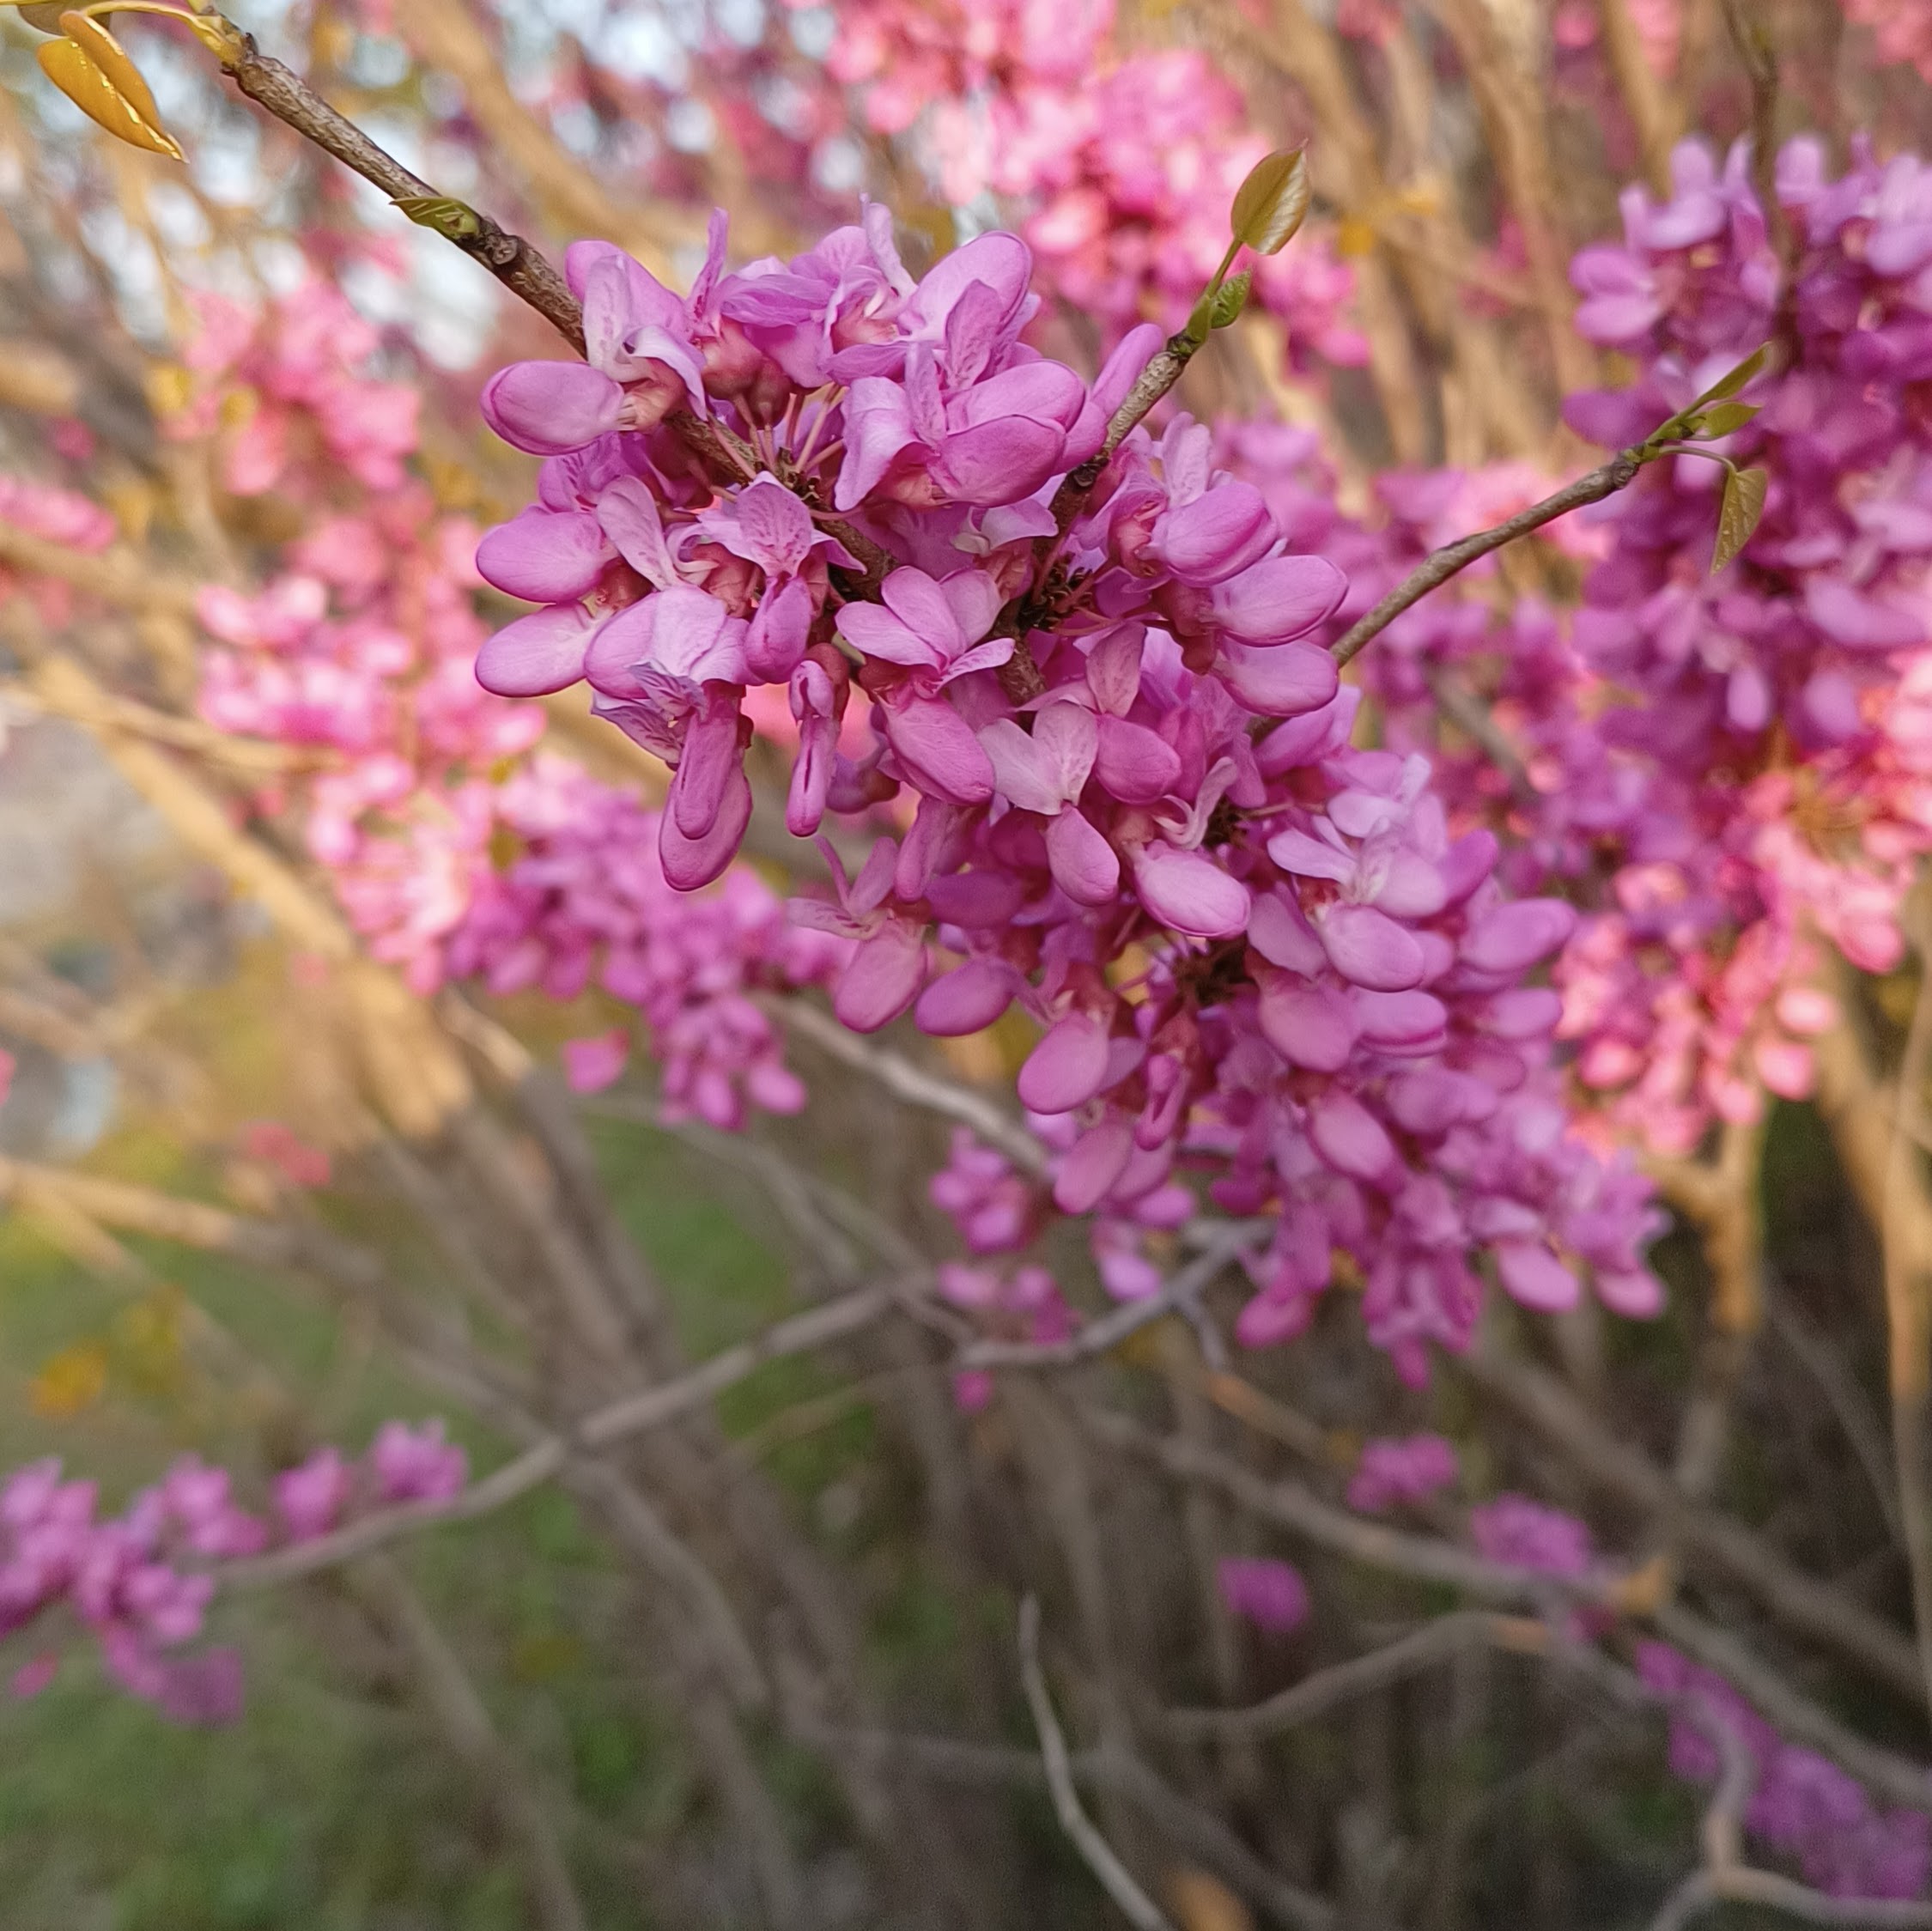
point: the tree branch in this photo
(907, 1082)
(549, 1456)
(1179, 1294)
(1439, 566)
(1136, 1906)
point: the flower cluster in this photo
(403, 1464)
(289, 395)
(584, 899)
(1727, 770)
(450, 849)
(1024, 1305)
(1254, 954)
(1529, 1534)
(1391, 1471)
(1799, 1803)
(140, 1583)
(1772, 777)
(1121, 166)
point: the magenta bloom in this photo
(1528, 1535)
(1267, 1592)
(312, 1496)
(416, 1464)
(1408, 1470)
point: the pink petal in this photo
(1085, 865)
(551, 408)
(591, 1064)
(1411, 1022)
(1283, 597)
(1067, 1067)
(936, 745)
(1280, 681)
(1533, 1275)
(1020, 771)
(1309, 1026)
(537, 653)
(1350, 1138)
(883, 979)
(1133, 764)
(967, 999)
(1068, 741)
(1098, 1159)
(1368, 948)
(1189, 894)
(547, 556)
(1514, 937)
(689, 862)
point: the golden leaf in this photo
(1355, 236)
(107, 54)
(170, 388)
(1205, 1903)
(1271, 202)
(71, 69)
(70, 1380)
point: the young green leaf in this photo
(1729, 384)
(1737, 517)
(1271, 202)
(455, 220)
(1727, 417)
(1229, 299)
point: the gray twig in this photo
(1136, 1906)
(910, 1082)
(547, 1457)
(1181, 1295)
(1724, 1878)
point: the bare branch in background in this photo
(1136, 1906)
(1725, 1878)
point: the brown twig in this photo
(1136, 1906)
(1326, 1689)
(1289, 1505)
(1162, 371)
(1898, 1778)
(521, 269)
(1750, 37)
(1870, 1129)
(1611, 1461)
(1473, 719)
(1908, 1300)
(1651, 109)
(1440, 565)
(1180, 1294)
(463, 1719)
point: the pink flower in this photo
(417, 1465)
(591, 1064)
(313, 1495)
(1269, 1593)
(1409, 1470)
